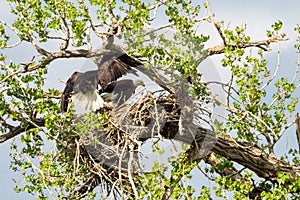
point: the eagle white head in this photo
(138, 82)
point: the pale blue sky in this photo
(259, 15)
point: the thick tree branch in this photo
(81, 53)
(229, 172)
(245, 154)
(254, 158)
(20, 129)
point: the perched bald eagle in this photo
(120, 91)
(83, 87)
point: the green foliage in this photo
(287, 188)
(241, 189)
(180, 13)
(44, 19)
(152, 185)
(90, 122)
(297, 46)
(3, 37)
(253, 117)
(295, 158)
(276, 27)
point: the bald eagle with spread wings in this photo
(83, 89)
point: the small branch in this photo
(220, 48)
(229, 89)
(39, 49)
(160, 28)
(217, 26)
(65, 45)
(155, 7)
(13, 45)
(110, 10)
(157, 78)
(13, 30)
(28, 63)
(48, 95)
(136, 194)
(6, 125)
(9, 26)
(94, 26)
(55, 38)
(286, 127)
(220, 32)
(275, 72)
(158, 4)
(41, 172)
(81, 53)
(297, 121)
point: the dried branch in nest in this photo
(96, 173)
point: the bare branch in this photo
(65, 45)
(220, 32)
(110, 11)
(160, 28)
(14, 45)
(159, 3)
(217, 26)
(220, 49)
(80, 53)
(39, 49)
(6, 125)
(275, 72)
(10, 27)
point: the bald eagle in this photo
(83, 87)
(120, 91)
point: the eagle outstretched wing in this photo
(113, 65)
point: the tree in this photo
(237, 147)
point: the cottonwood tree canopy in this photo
(95, 155)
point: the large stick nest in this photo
(111, 151)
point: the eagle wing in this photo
(114, 65)
(64, 100)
